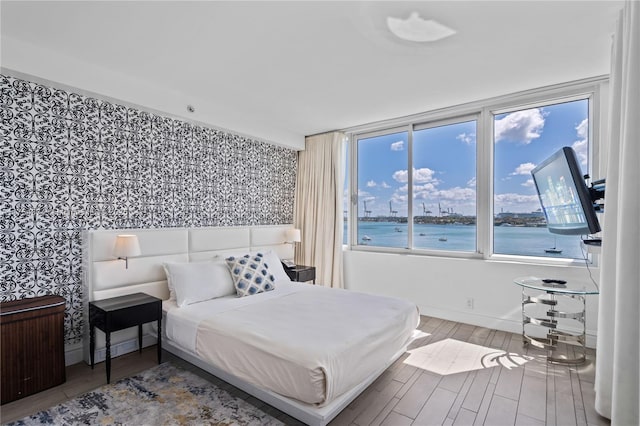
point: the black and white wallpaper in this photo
(71, 162)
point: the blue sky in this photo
(444, 162)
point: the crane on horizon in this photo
(446, 211)
(392, 211)
(425, 211)
(367, 213)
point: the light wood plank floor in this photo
(454, 374)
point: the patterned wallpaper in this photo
(71, 162)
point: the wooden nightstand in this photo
(301, 273)
(118, 313)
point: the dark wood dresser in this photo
(32, 346)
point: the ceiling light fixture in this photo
(417, 29)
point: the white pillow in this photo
(275, 266)
(172, 291)
(199, 281)
(270, 258)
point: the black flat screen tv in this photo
(564, 196)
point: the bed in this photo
(310, 368)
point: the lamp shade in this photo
(293, 235)
(126, 246)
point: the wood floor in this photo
(454, 374)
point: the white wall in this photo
(440, 286)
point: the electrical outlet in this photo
(469, 302)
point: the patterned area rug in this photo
(163, 395)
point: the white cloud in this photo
(457, 194)
(529, 183)
(425, 187)
(385, 185)
(397, 146)
(582, 129)
(472, 182)
(520, 126)
(523, 169)
(581, 147)
(371, 184)
(399, 199)
(467, 138)
(513, 199)
(424, 192)
(516, 203)
(401, 176)
(421, 175)
(582, 153)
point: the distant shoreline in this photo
(533, 222)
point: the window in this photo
(435, 207)
(382, 190)
(470, 191)
(444, 180)
(522, 139)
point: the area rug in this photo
(162, 395)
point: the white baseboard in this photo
(503, 324)
(74, 353)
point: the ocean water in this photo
(515, 240)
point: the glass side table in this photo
(554, 320)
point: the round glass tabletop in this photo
(569, 287)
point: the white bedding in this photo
(302, 341)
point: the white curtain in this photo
(618, 349)
(318, 206)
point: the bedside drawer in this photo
(301, 273)
(307, 275)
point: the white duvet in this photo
(302, 341)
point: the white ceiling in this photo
(282, 70)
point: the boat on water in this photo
(554, 249)
(366, 238)
(422, 234)
(397, 229)
(442, 239)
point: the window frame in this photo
(353, 211)
(484, 113)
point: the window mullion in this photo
(353, 192)
(484, 183)
(410, 188)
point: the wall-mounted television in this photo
(567, 202)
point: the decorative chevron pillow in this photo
(250, 274)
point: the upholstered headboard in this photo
(104, 276)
